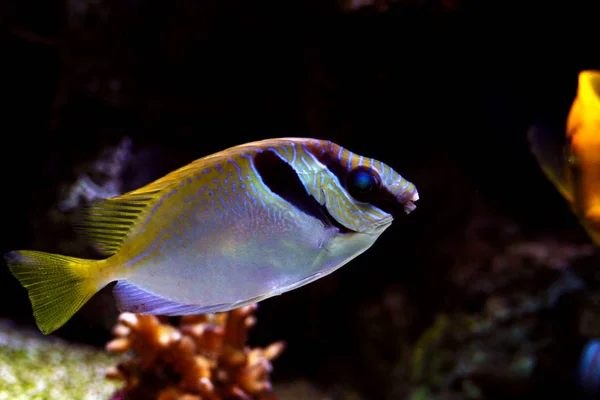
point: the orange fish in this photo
(574, 167)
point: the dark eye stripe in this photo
(281, 179)
(340, 162)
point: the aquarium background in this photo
(489, 290)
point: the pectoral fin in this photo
(548, 150)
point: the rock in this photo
(37, 367)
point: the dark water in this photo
(445, 98)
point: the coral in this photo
(107, 171)
(514, 302)
(462, 356)
(33, 366)
(100, 177)
(204, 358)
(518, 330)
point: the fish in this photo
(588, 371)
(227, 230)
(573, 165)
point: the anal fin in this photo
(133, 299)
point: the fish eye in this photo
(362, 182)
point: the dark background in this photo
(444, 93)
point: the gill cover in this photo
(328, 186)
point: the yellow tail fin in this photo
(58, 285)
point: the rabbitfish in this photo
(574, 166)
(227, 230)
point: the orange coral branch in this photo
(204, 358)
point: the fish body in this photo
(574, 166)
(227, 230)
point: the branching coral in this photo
(99, 179)
(204, 358)
(536, 296)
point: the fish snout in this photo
(406, 195)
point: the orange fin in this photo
(548, 151)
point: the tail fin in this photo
(58, 285)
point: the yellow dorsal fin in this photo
(108, 222)
(170, 180)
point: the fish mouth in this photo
(408, 203)
(407, 198)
